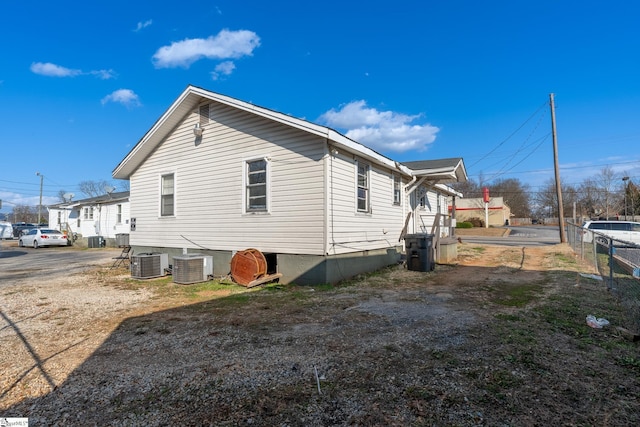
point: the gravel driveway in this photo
(26, 265)
(499, 339)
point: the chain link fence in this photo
(617, 263)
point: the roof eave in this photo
(453, 173)
(193, 95)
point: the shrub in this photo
(464, 224)
(477, 222)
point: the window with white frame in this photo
(256, 185)
(421, 197)
(363, 190)
(59, 217)
(167, 193)
(397, 183)
(118, 214)
(88, 212)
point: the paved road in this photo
(521, 236)
(17, 264)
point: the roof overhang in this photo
(455, 172)
(193, 96)
(448, 191)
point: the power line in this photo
(510, 136)
(536, 148)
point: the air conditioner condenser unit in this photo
(149, 265)
(192, 268)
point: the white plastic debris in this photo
(596, 323)
(591, 276)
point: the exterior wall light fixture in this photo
(197, 130)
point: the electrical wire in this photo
(510, 136)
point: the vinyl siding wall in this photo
(209, 193)
(104, 222)
(350, 230)
(109, 225)
(424, 216)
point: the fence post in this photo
(610, 263)
(595, 253)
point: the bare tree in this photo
(60, 195)
(516, 195)
(469, 189)
(24, 213)
(608, 182)
(546, 200)
(588, 199)
(93, 188)
(124, 184)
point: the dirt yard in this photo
(500, 338)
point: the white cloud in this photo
(126, 97)
(381, 130)
(104, 74)
(142, 25)
(53, 70)
(12, 199)
(223, 69)
(226, 44)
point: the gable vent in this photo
(204, 114)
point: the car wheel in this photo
(35, 244)
(21, 243)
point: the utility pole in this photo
(563, 237)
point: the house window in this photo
(88, 212)
(256, 185)
(59, 217)
(167, 199)
(363, 187)
(119, 214)
(397, 182)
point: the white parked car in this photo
(627, 231)
(37, 237)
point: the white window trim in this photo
(245, 161)
(419, 200)
(368, 210)
(119, 213)
(175, 194)
(88, 213)
(396, 178)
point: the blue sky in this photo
(81, 82)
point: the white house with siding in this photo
(216, 175)
(105, 215)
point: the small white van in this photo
(627, 231)
(6, 230)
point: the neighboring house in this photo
(216, 175)
(105, 215)
(498, 212)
